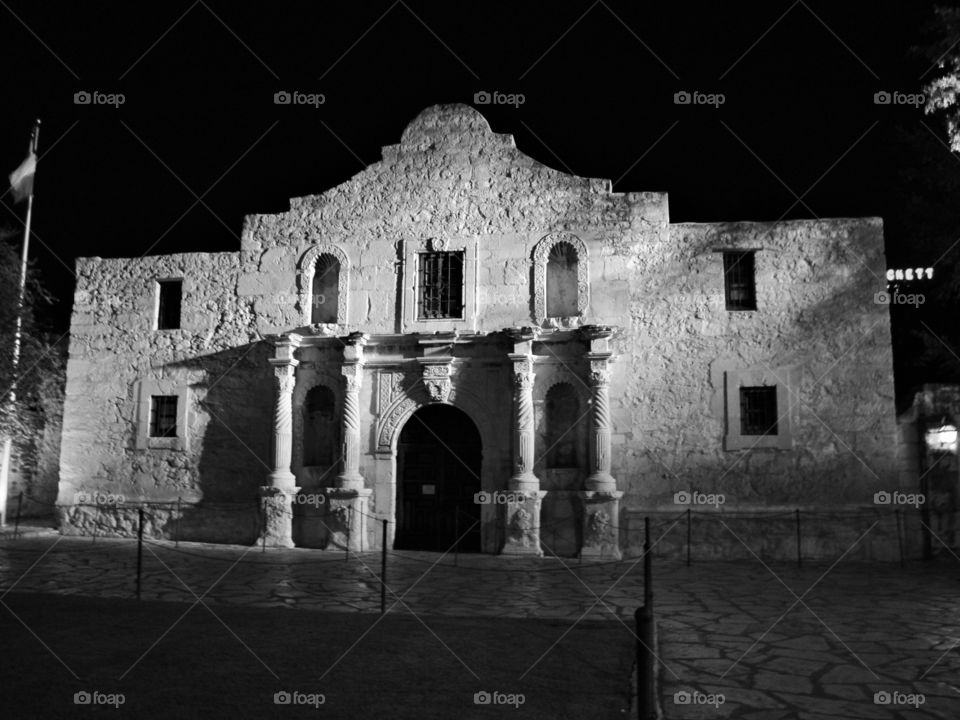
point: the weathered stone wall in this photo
(451, 180)
(217, 353)
(816, 324)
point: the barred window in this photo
(440, 285)
(163, 416)
(739, 280)
(758, 410)
(168, 305)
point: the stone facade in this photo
(644, 361)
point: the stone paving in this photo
(735, 642)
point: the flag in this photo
(21, 179)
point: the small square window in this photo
(739, 280)
(440, 285)
(758, 410)
(168, 304)
(163, 416)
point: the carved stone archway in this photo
(308, 264)
(541, 254)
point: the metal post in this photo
(263, 535)
(647, 566)
(799, 544)
(383, 570)
(16, 525)
(689, 533)
(179, 513)
(346, 544)
(139, 549)
(646, 662)
(899, 536)
(15, 355)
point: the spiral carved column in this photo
(600, 497)
(600, 428)
(277, 508)
(347, 505)
(521, 509)
(351, 478)
(523, 478)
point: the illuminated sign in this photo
(909, 274)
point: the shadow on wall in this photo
(231, 434)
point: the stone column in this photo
(352, 371)
(278, 494)
(348, 501)
(523, 501)
(601, 499)
(523, 478)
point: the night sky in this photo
(199, 120)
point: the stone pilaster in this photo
(523, 500)
(521, 518)
(347, 518)
(598, 376)
(601, 499)
(352, 370)
(277, 530)
(601, 525)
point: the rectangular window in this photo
(739, 281)
(168, 305)
(758, 410)
(163, 416)
(440, 285)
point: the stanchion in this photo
(689, 533)
(799, 541)
(646, 662)
(647, 566)
(139, 549)
(899, 536)
(16, 522)
(383, 570)
(179, 513)
(263, 535)
(346, 545)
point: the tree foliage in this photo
(40, 377)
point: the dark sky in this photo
(598, 78)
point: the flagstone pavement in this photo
(740, 639)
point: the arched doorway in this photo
(438, 474)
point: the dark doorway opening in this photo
(438, 474)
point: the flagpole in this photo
(15, 363)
